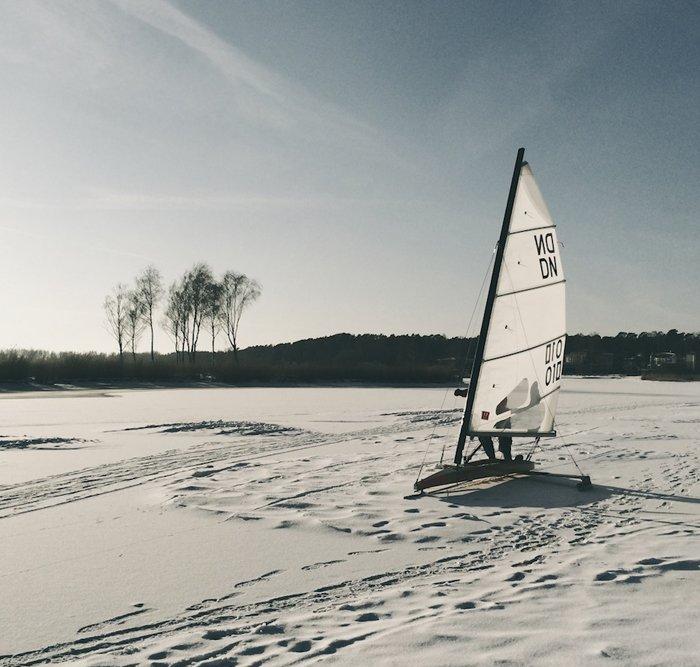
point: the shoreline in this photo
(14, 388)
(23, 388)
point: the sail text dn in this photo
(546, 252)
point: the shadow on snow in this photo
(540, 492)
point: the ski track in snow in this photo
(85, 483)
(526, 550)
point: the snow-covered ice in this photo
(270, 526)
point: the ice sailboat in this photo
(516, 376)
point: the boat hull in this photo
(477, 470)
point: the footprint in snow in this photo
(270, 629)
(262, 577)
(253, 650)
(342, 643)
(301, 647)
(316, 566)
(219, 634)
(158, 656)
(369, 616)
(392, 537)
(465, 605)
(360, 606)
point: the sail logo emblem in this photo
(544, 243)
(553, 358)
(485, 414)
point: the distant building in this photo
(662, 359)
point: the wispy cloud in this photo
(261, 94)
(81, 245)
(104, 200)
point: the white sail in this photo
(517, 384)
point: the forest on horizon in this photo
(369, 358)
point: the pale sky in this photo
(354, 157)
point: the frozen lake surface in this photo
(269, 526)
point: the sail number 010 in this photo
(553, 353)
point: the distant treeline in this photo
(20, 367)
(452, 358)
(351, 351)
(367, 358)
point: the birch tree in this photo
(149, 287)
(238, 292)
(197, 286)
(172, 318)
(188, 304)
(115, 306)
(135, 322)
(212, 313)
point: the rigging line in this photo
(430, 439)
(583, 430)
(536, 442)
(470, 346)
(444, 443)
(535, 446)
(444, 397)
(534, 368)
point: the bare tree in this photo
(135, 322)
(115, 306)
(212, 313)
(188, 304)
(173, 317)
(149, 287)
(238, 292)
(197, 283)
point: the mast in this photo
(491, 297)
